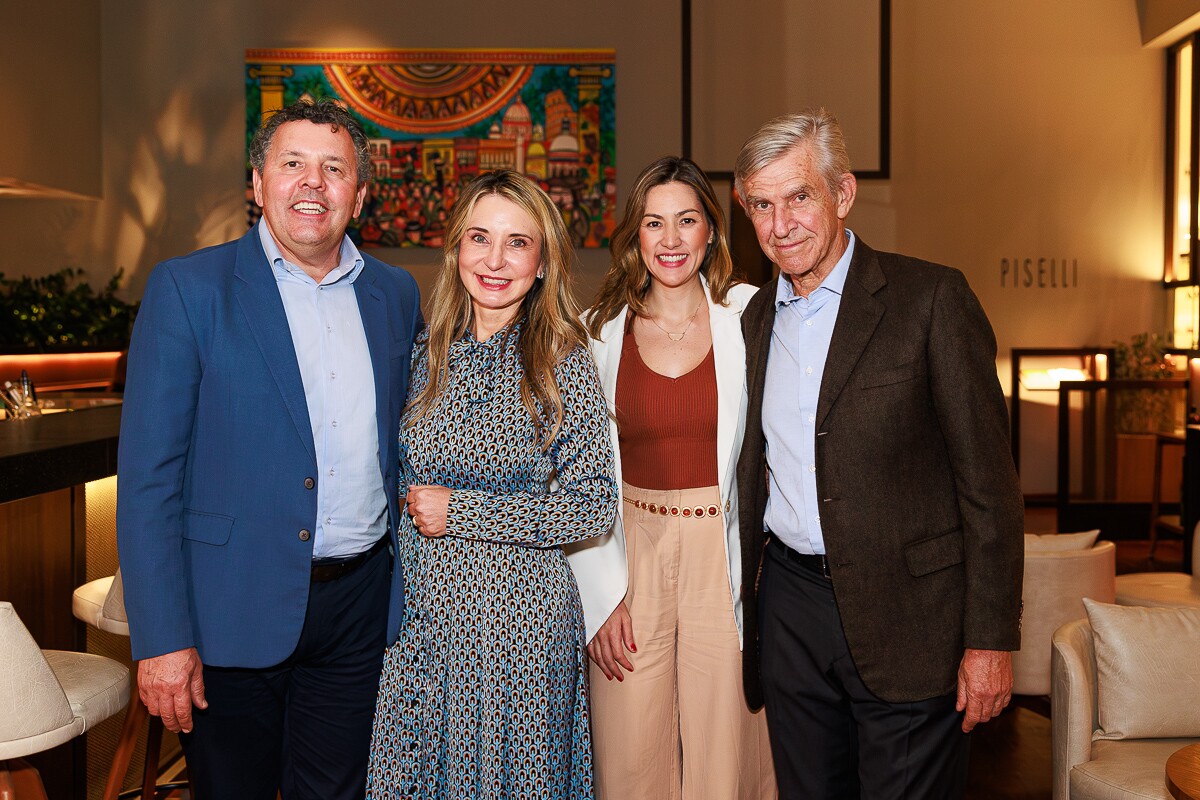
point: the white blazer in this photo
(599, 563)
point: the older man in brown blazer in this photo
(881, 517)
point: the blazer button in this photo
(309, 483)
(304, 535)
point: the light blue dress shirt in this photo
(339, 388)
(795, 365)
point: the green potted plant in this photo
(1144, 357)
(64, 333)
(62, 312)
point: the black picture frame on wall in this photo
(749, 261)
(880, 169)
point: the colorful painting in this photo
(438, 118)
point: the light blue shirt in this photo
(795, 365)
(339, 388)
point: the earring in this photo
(540, 275)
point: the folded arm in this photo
(583, 504)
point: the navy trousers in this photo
(303, 727)
(830, 737)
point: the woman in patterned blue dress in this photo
(484, 694)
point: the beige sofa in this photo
(1124, 700)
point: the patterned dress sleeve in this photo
(418, 377)
(583, 503)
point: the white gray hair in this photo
(779, 136)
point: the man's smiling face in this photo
(308, 189)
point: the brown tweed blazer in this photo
(921, 510)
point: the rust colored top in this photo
(667, 427)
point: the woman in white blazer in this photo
(662, 590)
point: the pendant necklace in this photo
(676, 337)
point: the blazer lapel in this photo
(259, 299)
(758, 343)
(858, 315)
(372, 306)
(607, 352)
(729, 358)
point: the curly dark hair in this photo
(324, 111)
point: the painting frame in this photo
(436, 118)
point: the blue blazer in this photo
(217, 473)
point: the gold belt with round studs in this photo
(678, 511)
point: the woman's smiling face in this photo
(498, 259)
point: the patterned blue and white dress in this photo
(484, 694)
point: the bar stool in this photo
(101, 604)
(1162, 523)
(47, 697)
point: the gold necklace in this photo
(676, 337)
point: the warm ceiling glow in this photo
(11, 187)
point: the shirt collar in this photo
(835, 281)
(350, 261)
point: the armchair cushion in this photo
(1146, 663)
(1163, 589)
(1125, 770)
(1046, 542)
(1158, 589)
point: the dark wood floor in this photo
(1010, 756)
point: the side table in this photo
(1183, 773)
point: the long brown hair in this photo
(549, 317)
(628, 279)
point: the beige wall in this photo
(50, 136)
(1167, 21)
(1020, 130)
(174, 109)
(743, 77)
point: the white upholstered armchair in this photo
(1125, 697)
(1060, 570)
(1163, 589)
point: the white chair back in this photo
(32, 701)
(1056, 581)
(114, 602)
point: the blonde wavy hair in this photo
(628, 278)
(548, 314)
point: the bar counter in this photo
(57, 451)
(57, 531)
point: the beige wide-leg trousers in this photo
(677, 727)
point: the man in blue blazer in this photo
(257, 477)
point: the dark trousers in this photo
(830, 737)
(302, 727)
